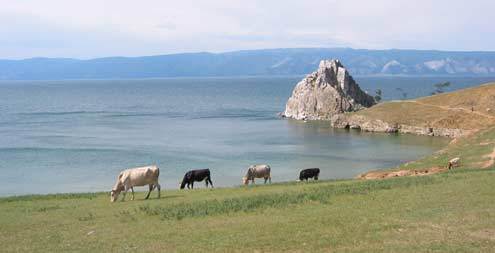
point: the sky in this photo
(100, 28)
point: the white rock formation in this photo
(327, 92)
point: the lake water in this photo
(75, 136)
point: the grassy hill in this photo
(471, 109)
(468, 109)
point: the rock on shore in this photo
(350, 121)
(327, 92)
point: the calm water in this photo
(75, 136)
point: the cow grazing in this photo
(136, 177)
(309, 173)
(196, 175)
(454, 162)
(257, 171)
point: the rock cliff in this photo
(350, 121)
(327, 92)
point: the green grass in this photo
(445, 212)
(473, 151)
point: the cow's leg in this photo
(316, 177)
(159, 188)
(192, 184)
(149, 191)
(132, 191)
(270, 179)
(206, 182)
(266, 179)
(188, 184)
(125, 191)
(209, 180)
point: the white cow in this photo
(257, 171)
(141, 176)
(454, 162)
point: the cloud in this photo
(91, 28)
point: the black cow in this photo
(309, 173)
(196, 175)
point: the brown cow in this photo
(257, 171)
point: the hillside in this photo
(295, 61)
(449, 114)
(466, 115)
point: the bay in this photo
(76, 135)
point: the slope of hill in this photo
(448, 114)
(295, 61)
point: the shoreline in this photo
(63, 195)
(444, 109)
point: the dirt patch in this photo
(485, 143)
(401, 173)
(487, 234)
(491, 160)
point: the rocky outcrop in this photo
(327, 92)
(351, 121)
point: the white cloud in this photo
(91, 28)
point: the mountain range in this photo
(264, 62)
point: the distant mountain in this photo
(295, 61)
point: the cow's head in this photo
(182, 184)
(114, 195)
(245, 180)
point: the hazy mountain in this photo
(255, 62)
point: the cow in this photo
(257, 171)
(140, 176)
(196, 175)
(454, 162)
(309, 173)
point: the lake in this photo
(75, 136)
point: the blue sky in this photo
(97, 28)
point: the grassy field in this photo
(445, 212)
(452, 211)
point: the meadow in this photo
(444, 212)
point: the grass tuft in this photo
(58, 196)
(322, 195)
